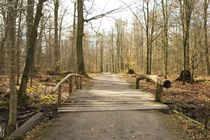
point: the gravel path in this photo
(111, 125)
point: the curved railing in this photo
(69, 78)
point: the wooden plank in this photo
(92, 109)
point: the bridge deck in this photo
(109, 93)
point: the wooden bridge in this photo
(110, 93)
(109, 109)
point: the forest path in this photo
(111, 110)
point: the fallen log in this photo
(27, 126)
(160, 84)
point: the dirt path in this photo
(111, 125)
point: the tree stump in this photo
(131, 71)
(185, 75)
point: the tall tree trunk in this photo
(12, 55)
(2, 44)
(165, 38)
(39, 44)
(205, 16)
(31, 50)
(79, 43)
(18, 43)
(186, 8)
(2, 51)
(112, 52)
(101, 56)
(73, 59)
(56, 44)
(118, 51)
(96, 66)
(146, 17)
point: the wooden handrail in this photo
(78, 79)
(160, 84)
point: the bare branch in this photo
(101, 15)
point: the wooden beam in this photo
(59, 96)
(80, 82)
(161, 83)
(63, 80)
(70, 85)
(70, 77)
(154, 78)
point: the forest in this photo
(42, 41)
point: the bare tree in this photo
(73, 59)
(165, 38)
(79, 42)
(12, 47)
(56, 41)
(186, 9)
(31, 43)
(3, 39)
(18, 42)
(205, 26)
(149, 24)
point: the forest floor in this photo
(192, 100)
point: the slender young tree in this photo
(18, 42)
(165, 37)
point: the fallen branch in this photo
(27, 126)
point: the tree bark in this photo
(12, 55)
(73, 59)
(101, 55)
(31, 50)
(165, 38)
(79, 43)
(186, 8)
(56, 44)
(2, 51)
(2, 44)
(18, 44)
(206, 46)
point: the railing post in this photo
(80, 82)
(77, 82)
(70, 85)
(59, 96)
(158, 94)
(137, 84)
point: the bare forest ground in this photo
(193, 100)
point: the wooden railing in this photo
(69, 78)
(160, 84)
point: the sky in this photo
(101, 6)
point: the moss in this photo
(48, 99)
(32, 90)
